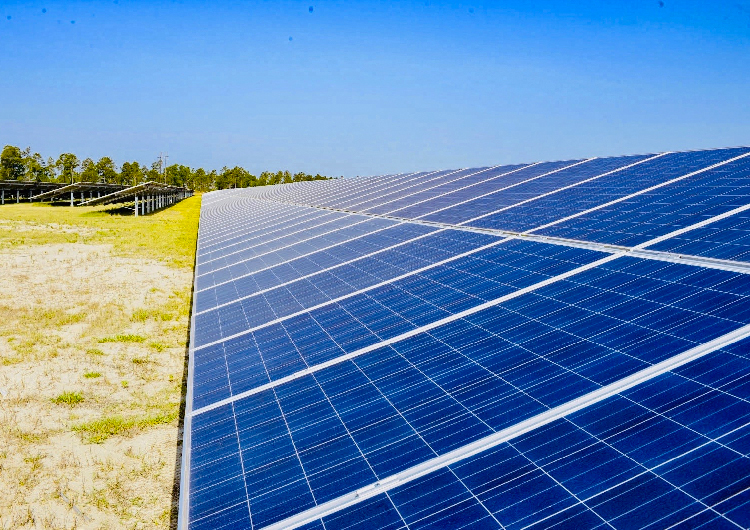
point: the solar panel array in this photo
(560, 344)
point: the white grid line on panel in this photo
(510, 433)
(408, 334)
(365, 289)
(479, 183)
(352, 187)
(250, 243)
(547, 194)
(580, 162)
(234, 214)
(638, 252)
(461, 177)
(484, 182)
(410, 185)
(360, 236)
(641, 192)
(362, 219)
(379, 205)
(235, 217)
(496, 191)
(346, 210)
(371, 186)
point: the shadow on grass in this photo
(121, 210)
(118, 210)
(175, 510)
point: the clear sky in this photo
(367, 87)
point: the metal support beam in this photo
(71, 198)
(17, 196)
(136, 205)
(3, 196)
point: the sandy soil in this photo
(92, 350)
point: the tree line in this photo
(21, 164)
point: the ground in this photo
(94, 314)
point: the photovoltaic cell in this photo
(286, 347)
(727, 239)
(332, 350)
(485, 206)
(661, 211)
(356, 422)
(672, 452)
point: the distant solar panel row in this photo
(354, 340)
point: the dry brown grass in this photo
(93, 327)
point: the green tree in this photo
(178, 175)
(37, 169)
(51, 168)
(67, 163)
(265, 178)
(88, 171)
(237, 177)
(154, 174)
(201, 180)
(211, 178)
(12, 163)
(131, 174)
(106, 170)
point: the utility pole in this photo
(163, 165)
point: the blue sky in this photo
(366, 87)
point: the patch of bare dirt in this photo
(91, 360)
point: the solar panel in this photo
(560, 344)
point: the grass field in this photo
(94, 314)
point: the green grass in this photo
(100, 430)
(94, 351)
(124, 338)
(168, 235)
(158, 346)
(69, 398)
(91, 375)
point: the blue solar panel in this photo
(282, 237)
(485, 206)
(673, 451)
(283, 251)
(664, 210)
(413, 206)
(468, 179)
(727, 239)
(603, 190)
(281, 349)
(332, 352)
(351, 424)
